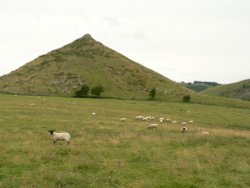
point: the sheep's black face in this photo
(51, 131)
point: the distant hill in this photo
(238, 90)
(85, 61)
(199, 86)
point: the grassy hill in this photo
(86, 61)
(107, 153)
(239, 90)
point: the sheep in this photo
(184, 129)
(174, 122)
(149, 118)
(139, 117)
(161, 120)
(184, 123)
(168, 120)
(203, 132)
(152, 118)
(191, 121)
(153, 126)
(93, 114)
(123, 119)
(64, 136)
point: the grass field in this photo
(107, 153)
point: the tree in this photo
(152, 93)
(97, 90)
(83, 91)
(186, 98)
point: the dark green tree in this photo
(152, 93)
(97, 91)
(186, 98)
(83, 91)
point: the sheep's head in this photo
(51, 131)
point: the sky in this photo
(184, 40)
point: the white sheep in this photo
(64, 136)
(123, 119)
(203, 132)
(149, 118)
(93, 114)
(161, 120)
(153, 126)
(184, 123)
(184, 129)
(139, 117)
(174, 122)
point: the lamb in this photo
(64, 136)
(153, 126)
(184, 129)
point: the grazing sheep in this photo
(149, 118)
(152, 118)
(64, 136)
(191, 121)
(139, 117)
(184, 123)
(93, 114)
(203, 132)
(161, 120)
(123, 119)
(153, 126)
(174, 122)
(184, 129)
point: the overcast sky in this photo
(184, 40)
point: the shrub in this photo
(186, 98)
(152, 93)
(97, 90)
(83, 91)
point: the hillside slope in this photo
(238, 90)
(85, 61)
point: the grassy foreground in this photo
(107, 153)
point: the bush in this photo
(152, 93)
(186, 98)
(97, 90)
(83, 91)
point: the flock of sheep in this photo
(64, 136)
(161, 120)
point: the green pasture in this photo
(107, 153)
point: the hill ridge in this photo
(87, 61)
(237, 90)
